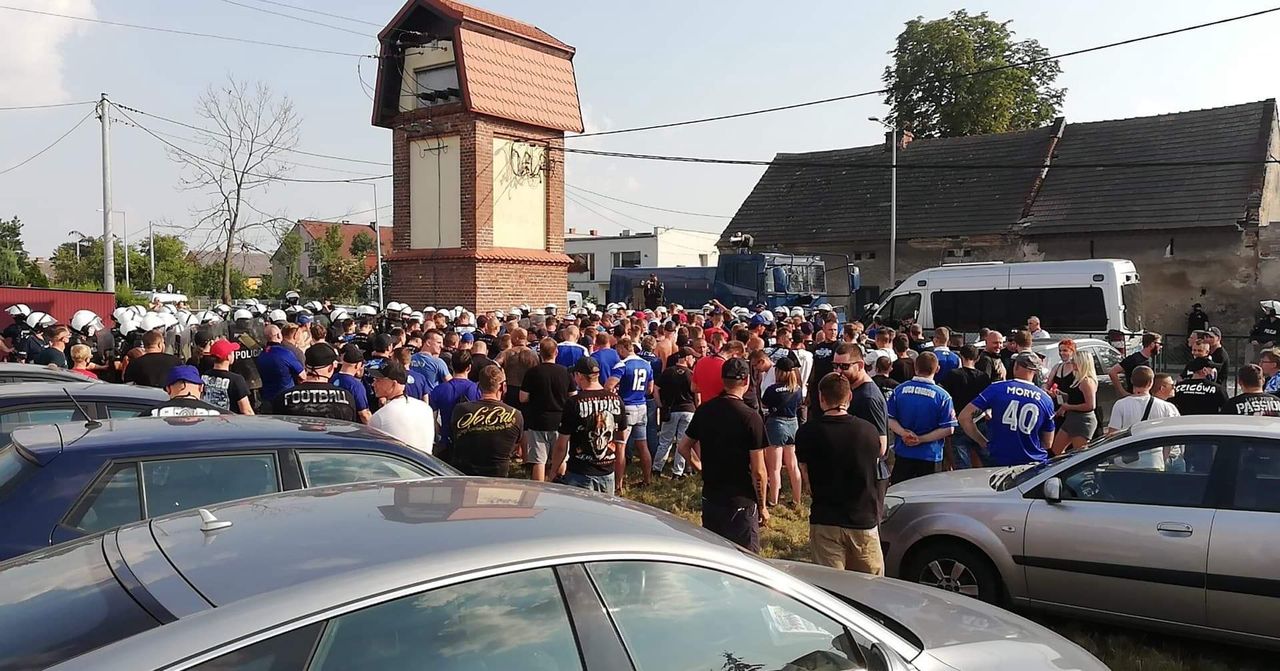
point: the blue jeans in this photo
(962, 443)
(596, 483)
(651, 429)
(669, 438)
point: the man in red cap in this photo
(223, 388)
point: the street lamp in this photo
(893, 198)
(377, 241)
(80, 238)
(124, 222)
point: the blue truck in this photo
(772, 278)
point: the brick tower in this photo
(478, 105)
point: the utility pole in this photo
(894, 134)
(377, 242)
(151, 247)
(124, 220)
(108, 245)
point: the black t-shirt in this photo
(316, 399)
(823, 359)
(868, 403)
(478, 363)
(183, 406)
(1131, 363)
(1199, 397)
(727, 431)
(903, 370)
(202, 362)
(964, 385)
(151, 370)
(1222, 360)
(991, 365)
(593, 420)
(1253, 403)
(491, 341)
(485, 433)
(224, 389)
(53, 356)
(886, 384)
(841, 454)
(675, 387)
(548, 386)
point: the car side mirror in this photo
(1053, 490)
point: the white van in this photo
(1092, 296)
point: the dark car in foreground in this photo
(36, 403)
(28, 372)
(64, 481)
(472, 573)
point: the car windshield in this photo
(1016, 476)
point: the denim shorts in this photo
(781, 430)
(637, 416)
(596, 483)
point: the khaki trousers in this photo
(847, 549)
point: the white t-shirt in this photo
(1041, 334)
(806, 368)
(409, 420)
(874, 354)
(1128, 411)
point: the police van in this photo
(1090, 296)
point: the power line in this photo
(863, 94)
(316, 11)
(50, 146)
(650, 207)
(50, 105)
(218, 133)
(296, 18)
(610, 209)
(221, 166)
(187, 33)
(594, 211)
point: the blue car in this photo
(63, 481)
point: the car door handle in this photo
(1178, 528)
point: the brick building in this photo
(477, 104)
(312, 232)
(1197, 233)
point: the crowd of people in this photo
(748, 399)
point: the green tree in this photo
(287, 257)
(339, 276)
(362, 245)
(928, 94)
(16, 267)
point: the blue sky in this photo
(637, 63)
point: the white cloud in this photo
(31, 71)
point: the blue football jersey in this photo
(568, 353)
(922, 407)
(1020, 412)
(634, 375)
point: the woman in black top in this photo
(781, 402)
(1074, 384)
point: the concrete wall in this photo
(1226, 270)
(519, 194)
(602, 250)
(418, 59)
(435, 203)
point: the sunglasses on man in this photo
(845, 366)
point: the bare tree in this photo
(250, 127)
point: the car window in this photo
(1104, 358)
(59, 603)
(126, 412)
(901, 307)
(13, 420)
(113, 500)
(677, 617)
(514, 621)
(1174, 472)
(180, 484)
(13, 468)
(286, 652)
(337, 468)
(1258, 478)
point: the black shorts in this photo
(905, 469)
(735, 520)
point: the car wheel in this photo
(955, 568)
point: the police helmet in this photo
(416, 316)
(314, 306)
(152, 321)
(277, 316)
(39, 320)
(18, 310)
(86, 322)
(338, 315)
(366, 311)
(292, 297)
(222, 309)
(169, 320)
(797, 312)
(242, 313)
(209, 317)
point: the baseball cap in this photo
(785, 364)
(303, 320)
(1200, 363)
(223, 349)
(685, 351)
(352, 354)
(1217, 332)
(468, 337)
(735, 369)
(392, 370)
(381, 343)
(1027, 360)
(320, 355)
(586, 366)
(759, 320)
(184, 374)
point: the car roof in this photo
(81, 390)
(426, 528)
(1217, 425)
(228, 432)
(7, 368)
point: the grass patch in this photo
(787, 537)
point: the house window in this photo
(311, 270)
(626, 259)
(958, 254)
(864, 256)
(437, 85)
(703, 259)
(584, 264)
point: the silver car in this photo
(475, 574)
(1104, 357)
(1172, 525)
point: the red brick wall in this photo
(477, 276)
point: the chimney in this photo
(593, 233)
(626, 232)
(573, 231)
(903, 141)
